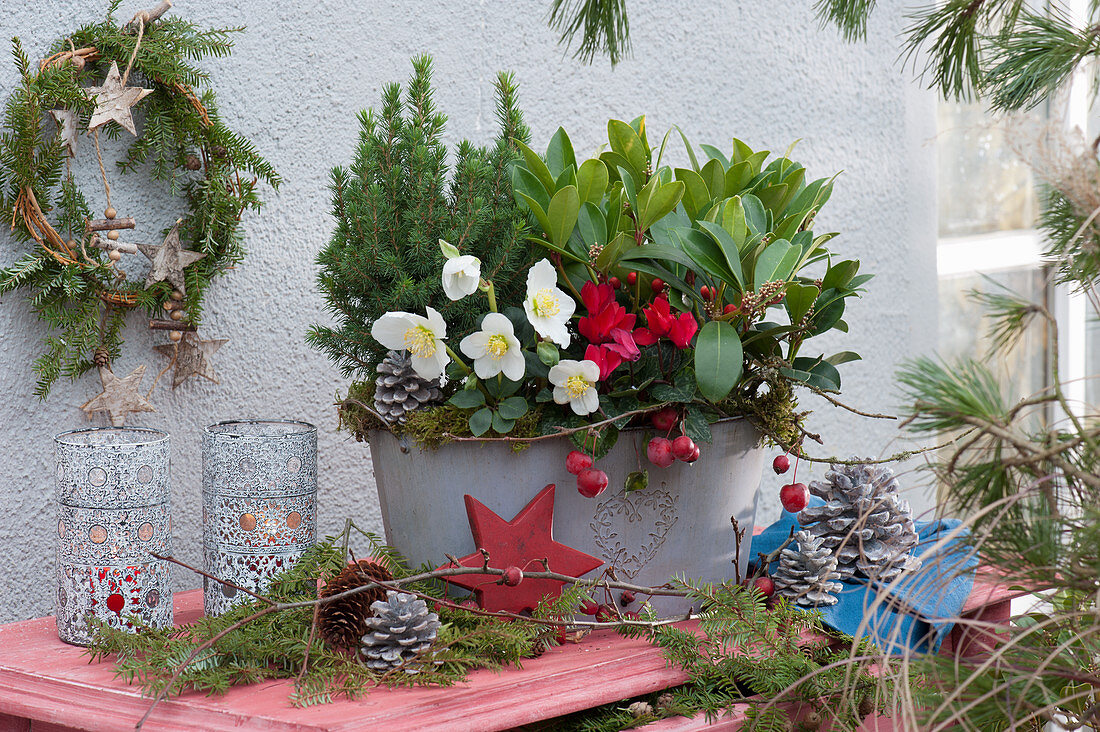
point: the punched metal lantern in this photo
(259, 499)
(113, 495)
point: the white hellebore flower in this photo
(461, 276)
(575, 384)
(495, 349)
(421, 336)
(547, 307)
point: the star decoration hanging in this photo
(113, 101)
(119, 396)
(66, 120)
(193, 356)
(522, 542)
(169, 260)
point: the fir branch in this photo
(603, 26)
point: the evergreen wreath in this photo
(70, 273)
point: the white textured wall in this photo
(759, 70)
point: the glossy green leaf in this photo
(843, 357)
(755, 216)
(559, 153)
(467, 399)
(840, 274)
(629, 189)
(537, 167)
(714, 175)
(568, 177)
(636, 481)
(502, 424)
(741, 151)
(798, 300)
(732, 220)
(718, 360)
(715, 154)
(696, 193)
(626, 142)
(590, 224)
(738, 177)
(658, 252)
(702, 249)
(696, 426)
(729, 250)
(775, 262)
(534, 207)
(657, 200)
(512, 408)
(481, 421)
(592, 180)
(562, 215)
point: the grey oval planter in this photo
(679, 525)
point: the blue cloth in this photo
(913, 614)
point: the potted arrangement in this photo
(624, 329)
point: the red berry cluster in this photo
(793, 496)
(591, 482)
(662, 451)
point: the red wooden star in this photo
(522, 542)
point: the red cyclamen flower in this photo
(679, 329)
(604, 314)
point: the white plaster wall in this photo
(759, 70)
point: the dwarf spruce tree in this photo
(397, 200)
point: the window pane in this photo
(1092, 365)
(983, 186)
(964, 325)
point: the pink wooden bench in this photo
(48, 686)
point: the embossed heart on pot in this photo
(630, 528)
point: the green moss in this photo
(429, 427)
(353, 416)
(774, 412)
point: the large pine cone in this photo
(399, 390)
(864, 522)
(401, 629)
(343, 622)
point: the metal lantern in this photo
(113, 495)
(259, 498)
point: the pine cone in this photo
(401, 629)
(101, 357)
(864, 522)
(399, 390)
(343, 622)
(807, 576)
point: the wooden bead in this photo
(177, 295)
(110, 213)
(114, 255)
(175, 335)
(112, 235)
(176, 315)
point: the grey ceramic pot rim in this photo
(294, 428)
(74, 438)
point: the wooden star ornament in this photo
(113, 101)
(119, 396)
(169, 260)
(193, 357)
(523, 542)
(66, 121)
